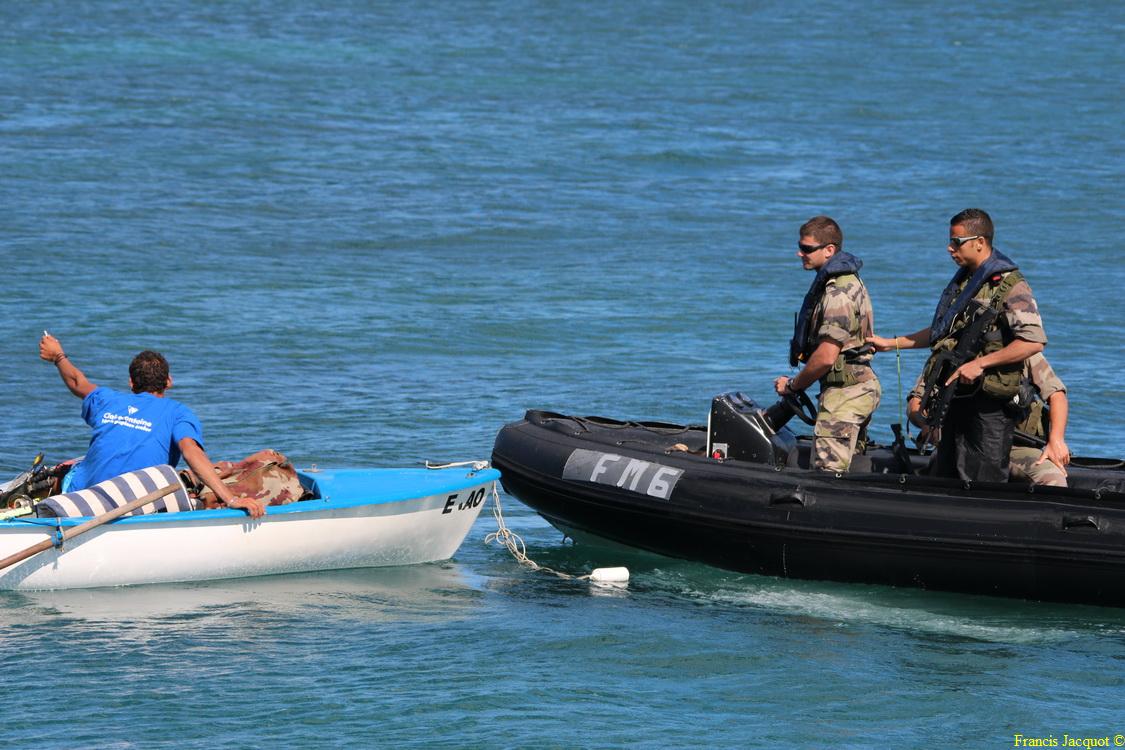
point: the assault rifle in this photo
(936, 395)
(1026, 440)
(900, 451)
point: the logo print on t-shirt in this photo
(133, 410)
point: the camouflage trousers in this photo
(841, 422)
(1021, 465)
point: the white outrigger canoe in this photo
(357, 518)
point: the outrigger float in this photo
(354, 518)
(738, 493)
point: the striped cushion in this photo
(113, 493)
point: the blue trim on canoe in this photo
(336, 488)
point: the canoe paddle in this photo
(35, 549)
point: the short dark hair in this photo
(149, 372)
(824, 229)
(976, 221)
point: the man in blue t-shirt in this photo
(140, 429)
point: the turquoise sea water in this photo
(369, 235)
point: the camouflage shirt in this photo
(1035, 368)
(1042, 376)
(844, 315)
(1020, 311)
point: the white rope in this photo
(477, 465)
(505, 536)
(515, 543)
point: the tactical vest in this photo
(843, 372)
(1001, 382)
(1034, 417)
(1037, 422)
(804, 334)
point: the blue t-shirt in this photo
(131, 431)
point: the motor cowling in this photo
(739, 429)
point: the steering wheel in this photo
(802, 406)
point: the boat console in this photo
(737, 428)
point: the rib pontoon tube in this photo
(742, 497)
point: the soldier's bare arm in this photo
(821, 361)
(914, 414)
(1013, 353)
(917, 340)
(1056, 450)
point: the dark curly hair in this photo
(149, 372)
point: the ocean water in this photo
(371, 234)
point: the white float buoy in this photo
(609, 575)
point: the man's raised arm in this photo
(51, 350)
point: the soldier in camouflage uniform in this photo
(830, 338)
(976, 437)
(1045, 419)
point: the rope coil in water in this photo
(515, 544)
(503, 534)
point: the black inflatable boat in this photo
(738, 493)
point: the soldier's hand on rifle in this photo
(966, 373)
(928, 436)
(1057, 453)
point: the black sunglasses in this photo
(957, 242)
(810, 249)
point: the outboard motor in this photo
(738, 429)
(778, 415)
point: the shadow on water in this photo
(418, 593)
(664, 582)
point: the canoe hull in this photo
(319, 535)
